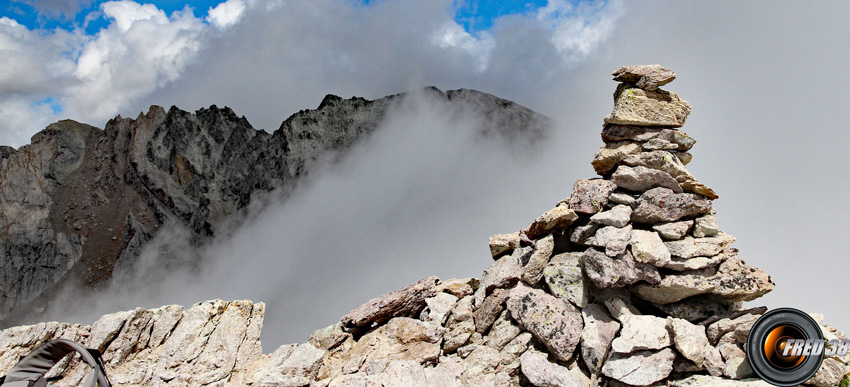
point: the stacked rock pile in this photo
(627, 282)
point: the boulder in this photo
(692, 343)
(661, 160)
(706, 226)
(533, 269)
(553, 220)
(502, 243)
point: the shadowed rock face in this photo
(79, 203)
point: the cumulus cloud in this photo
(226, 14)
(92, 77)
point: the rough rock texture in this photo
(647, 77)
(636, 106)
(616, 286)
(79, 203)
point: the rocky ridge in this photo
(627, 282)
(79, 203)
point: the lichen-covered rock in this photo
(636, 106)
(663, 205)
(565, 278)
(618, 271)
(552, 321)
(732, 281)
(590, 196)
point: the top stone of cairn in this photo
(639, 102)
(647, 77)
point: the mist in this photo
(417, 198)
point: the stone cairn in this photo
(628, 282)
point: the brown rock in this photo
(405, 302)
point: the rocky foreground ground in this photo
(627, 282)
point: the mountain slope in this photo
(79, 203)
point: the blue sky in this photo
(473, 15)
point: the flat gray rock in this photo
(541, 372)
(647, 77)
(641, 332)
(700, 247)
(674, 230)
(618, 216)
(640, 179)
(640, 368)
(732, 281)
(613, 239)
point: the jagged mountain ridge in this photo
(79, 202)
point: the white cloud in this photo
(452, 35)
(92, 77)
(226, 14)
(579, 28)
